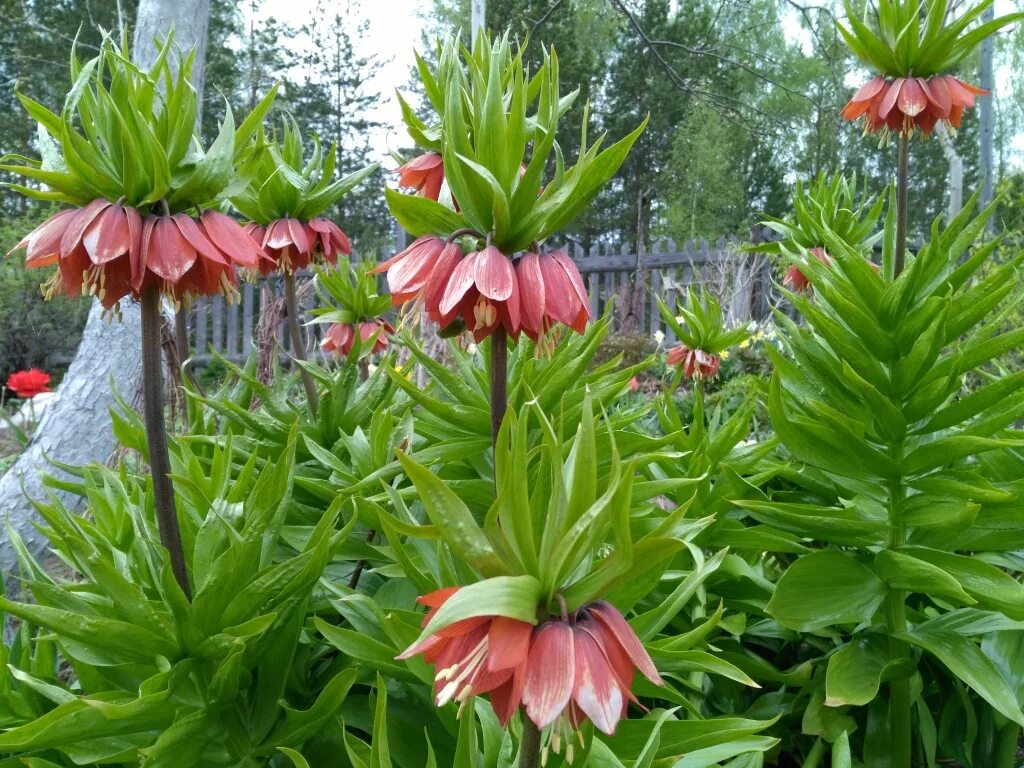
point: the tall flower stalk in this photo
(873, 403)
(131, 232)
(287, 196)
(481, 215)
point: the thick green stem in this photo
(902, 169)
(896, 622)
(499, 380)
(529, 747)
(156, 434)
(1007, 744)
(298, 343)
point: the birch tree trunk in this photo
(76, 426)
(956, 172)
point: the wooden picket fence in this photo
(741, 280)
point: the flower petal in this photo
(197, 238)
(912, 99)
(531, 293)
(493, 274)
(508, 643)
(550, 671)
(76, 229)
(889, 100)
(595, 687)
(107, 238)
(169, 254)
(459, 283)
(619, 629)
(939, 96)
(225, 233)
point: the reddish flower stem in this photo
(298, 343)
(902, 168)
(529, 747)
(156, 435)
(499, 380)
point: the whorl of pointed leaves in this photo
(828, 204)
(486, 174)
(895, 39)
(350, 305)
(286, 195)
(700, 326)
(124, 152)
(913, 53)
(127, 135)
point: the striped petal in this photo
(550, 672)
(912, 99)
(197, 238)
(595, 688)
(890, 98)
(225, 233)
(76, 229)
(939, 96)
(459, 283)
(169, 255)
(531, 293)
(493, 274)
(618, 629)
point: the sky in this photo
(393, 34)
(395, 31)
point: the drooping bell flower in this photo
(422, 272)
(484, 654)
(424, 173)
(581, 667)
(109, 250)
(292, 245)
(483, 291)
(551, 290)
(286, 242)
(339, 337)
(697, 364)
(328, 239)
(29, 383)
(906, 104)
(796, 280)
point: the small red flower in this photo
(339, 337)
(697, 364)
(484, 291)
(29, 383)
(796, 280)
(422, 271)
(551, 290)
(905, 104)
(424, 173)
(485, 654)
(111, 251)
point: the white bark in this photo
(76, 427)
(956, 171)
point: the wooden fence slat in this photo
(608, 269)
(199, 343)
(249, 313)
(217, 310)
(232, 337)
